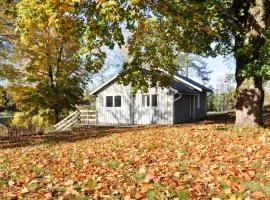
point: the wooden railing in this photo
(79, 117)
(87, 117)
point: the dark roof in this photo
(194, 83)
(182, 88)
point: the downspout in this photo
(176, 92)
(180, 96)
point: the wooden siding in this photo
(131, 110)
(201, 112)
(162, 114)
(186, 109)
(182, 110)
(114, 115)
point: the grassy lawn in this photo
(193, 161)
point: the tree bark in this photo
(251, 18)
(249, 101)
(56, 116)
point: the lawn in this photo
(207, 160)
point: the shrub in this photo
(40, 122)
(21, 120)
(25, 120)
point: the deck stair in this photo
(77, 118)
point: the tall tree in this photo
(209, 28)
(7, 34)
(46, 72)
(192, 65)
(161, 29)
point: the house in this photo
(184, 101)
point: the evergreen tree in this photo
(192, 65)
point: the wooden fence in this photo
(79, 117)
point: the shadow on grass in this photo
(229, 118)
(226, 118)
(99, 132)
(62, 137)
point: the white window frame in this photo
(145, 100)
(150, 96)
(113, 101)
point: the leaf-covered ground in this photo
(193, 161)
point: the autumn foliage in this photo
(203, 161)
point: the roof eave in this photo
(103, 85)
(187, 83)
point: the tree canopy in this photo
(159, 31)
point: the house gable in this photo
(179, 83)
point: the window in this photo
(117, 101)
(154, 100)
(145, 100)
(109, 101)
(198, 102)
(113, 101)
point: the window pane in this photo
(148, 100)
(145, 100)
(109, 101)
(154, 100)
(117, 101)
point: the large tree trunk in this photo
(249, 95)
(249, 101)
(251, 20)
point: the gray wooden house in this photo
(184, 101)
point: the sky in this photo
(219, 66)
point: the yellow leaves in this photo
(147, 186)
(227, 191)
(134, 2)
(101, 1)
(77, 167)
(24, 190)
(24, 39)
(110, 10)
(52, 21)
(234, 197)
(64, 2)
(142, 170)
(68, 8)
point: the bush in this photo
(25, 120)
(21, 120)
(39, 122)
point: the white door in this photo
(145, 109)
